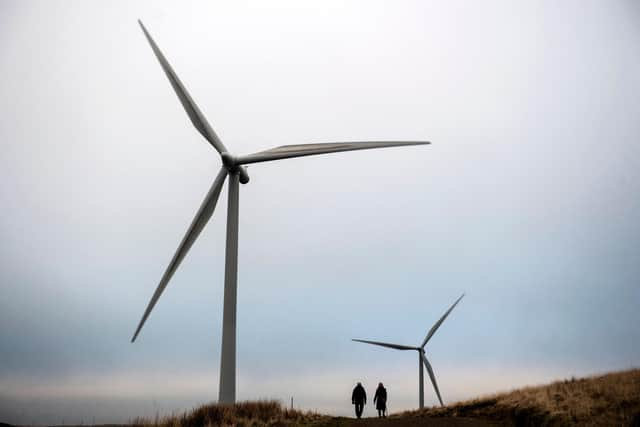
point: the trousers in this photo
(359, 409)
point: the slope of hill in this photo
(606, 400)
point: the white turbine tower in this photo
(422, 358)
(233, 167)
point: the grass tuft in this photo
(243, 414)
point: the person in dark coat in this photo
(359, 398)
(380, 399)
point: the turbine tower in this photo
(422, 358)
(232, 166)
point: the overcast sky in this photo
(527, 200)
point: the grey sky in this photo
(527, 200)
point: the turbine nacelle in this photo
(244, 175)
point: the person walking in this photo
(380, 400)
(359, 399)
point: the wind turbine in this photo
(232, 166)
(422, 358)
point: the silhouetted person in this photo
(359, 398)
(380, 399)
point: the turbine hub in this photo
(229, 161)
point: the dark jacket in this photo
(359, 395)
(380, 399)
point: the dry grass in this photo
(607, 400)
(243, 414)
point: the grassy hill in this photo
(606, 400)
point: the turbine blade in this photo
(299, 150)
(194, 113)
(385, 344)
(435, 327)
(202, 217)
(432, 376)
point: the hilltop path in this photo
(405, 421)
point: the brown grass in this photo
(607, 400)
(243, 414)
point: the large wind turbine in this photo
(422, 358)
(233, 167)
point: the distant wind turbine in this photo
(233, 167)
(422, 358)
